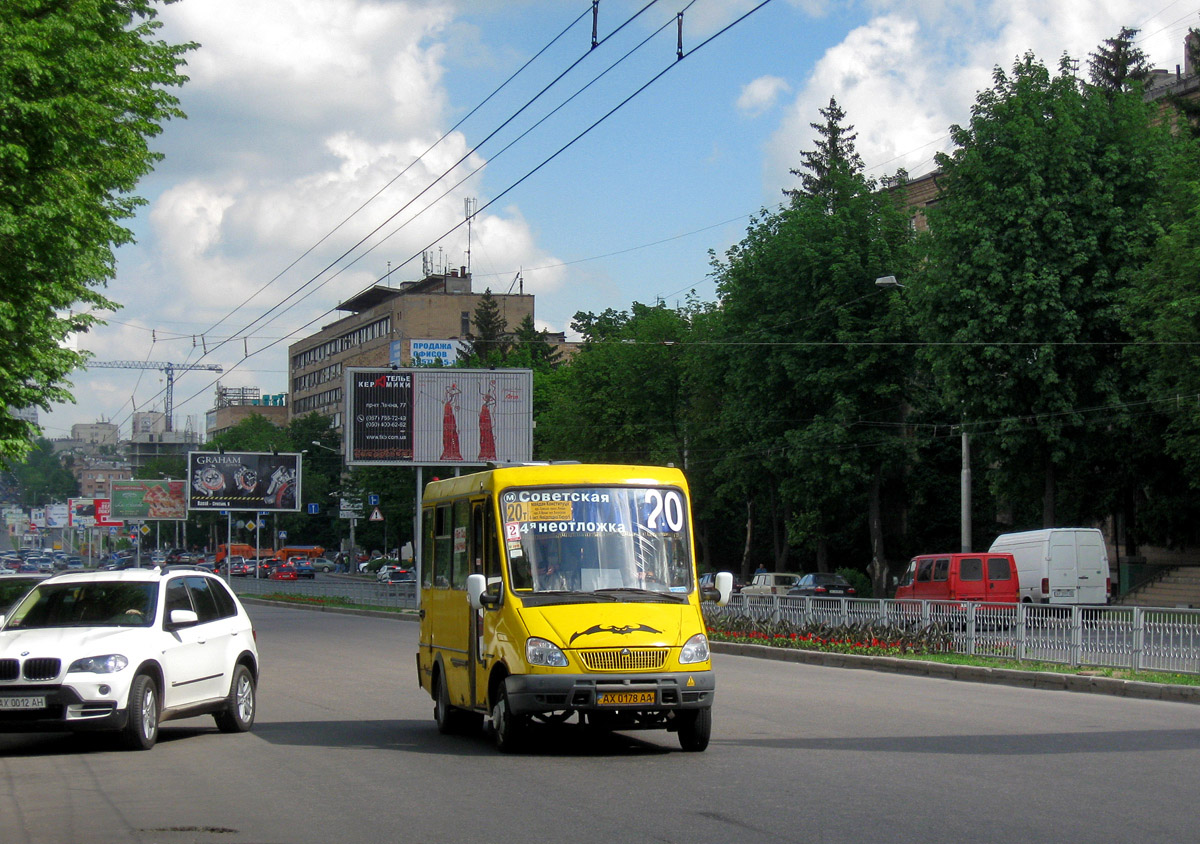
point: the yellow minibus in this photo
(564, 590)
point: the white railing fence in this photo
(1134, 638)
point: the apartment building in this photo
(380, 327)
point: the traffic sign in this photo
(376, 516)
(372, 500)
(283, 534)
(314, 509)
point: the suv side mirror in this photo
(182, 618)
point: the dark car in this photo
(304, 568)
(823, 585)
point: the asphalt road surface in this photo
(345, 750)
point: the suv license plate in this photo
(624, 698)
(22, 703)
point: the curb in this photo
(972, 673)
(402, 615)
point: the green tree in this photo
(814, 385)
(532, 348)
(1119, 63)
(1041, 223)
(619, 400)
(490, 344)
(44, 477)
(83, 87)
(1163, 314)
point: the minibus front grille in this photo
(625, 659)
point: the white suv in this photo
(126, 650)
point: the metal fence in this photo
(1136, 638)
(358, 593)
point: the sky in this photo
(335, 144)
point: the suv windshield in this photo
(597, 540)
(96, 604)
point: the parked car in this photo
(125, 651)
(823, 585)
(771, 583)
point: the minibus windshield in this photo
(621, 542)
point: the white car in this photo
(125, 651)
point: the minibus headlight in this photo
(695, 650)
(540, 652)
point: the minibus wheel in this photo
(451, 719)
(695, 727)
(509, 729)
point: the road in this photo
(345, 750)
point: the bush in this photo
(860, 582)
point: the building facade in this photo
(237, 403)
(380, 329)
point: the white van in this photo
(1059, 565)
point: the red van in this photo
(991, 578)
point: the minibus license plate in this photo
(22, 703)
(624, 698)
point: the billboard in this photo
(139, 500)
(243, 480)
(90, 512)
(438, 416)
(57, 515)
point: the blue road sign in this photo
(314, 509)
(372, 500)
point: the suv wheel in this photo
(238, 714)
(141, 730)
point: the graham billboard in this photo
(243, 481)
(437, 416)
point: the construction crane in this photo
(169, 368)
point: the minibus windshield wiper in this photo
(668, 597)
(566, 596)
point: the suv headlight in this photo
(106, 664)
(540, 652)
(694, 650)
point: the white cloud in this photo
(761, 94)
(914, 69)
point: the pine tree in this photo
(1117, 64)
(491, 342)
(536, 344)
(823, 169)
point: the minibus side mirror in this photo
(477, 594)
(723, 584)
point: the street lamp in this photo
(965, 478)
